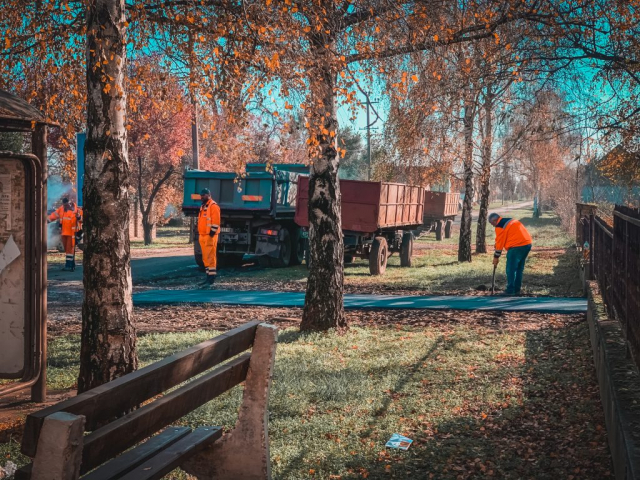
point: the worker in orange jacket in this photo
(513, 237)
(208, 229)
(69, 218)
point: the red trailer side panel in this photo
(369, 206)
(440, 204)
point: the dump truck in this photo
(256, 213)
(440, 210)
(377, 219)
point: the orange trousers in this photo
(209, 246)
(68, 242)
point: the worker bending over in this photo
(515, 239)
(70, 218)
(208, 228)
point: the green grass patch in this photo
(510, 404)
(551, 267)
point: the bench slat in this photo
(117, 436)
(172, 457)
(118, 396)
(129, 460)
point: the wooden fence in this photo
(614, 256)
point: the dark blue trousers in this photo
(516, 258)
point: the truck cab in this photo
(257, 212)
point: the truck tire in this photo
(230, 259)
(447, 228)
(285, 251)
(198, 259)
(439, 229)
(378, 256)
(406, 249)
(298, 246)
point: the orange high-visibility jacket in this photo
(209, 218)
(68, 219)
(510, 233)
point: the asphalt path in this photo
(356, 301)
(154, 266)
(501, 210)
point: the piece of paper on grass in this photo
(399, 441)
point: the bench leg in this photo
(59, 451)
(244, 452)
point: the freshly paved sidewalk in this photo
(353, 301)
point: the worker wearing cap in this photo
(513, 237)
(208, 228)
(69, 217)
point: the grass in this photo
(469, 396)
(166, 237)
(550, 270)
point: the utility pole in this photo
(369, 125)
(194, 126)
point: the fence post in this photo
(626, 282)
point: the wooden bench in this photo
(87, 435)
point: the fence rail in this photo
(614, 255)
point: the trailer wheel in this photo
(285, 251)
(406, 249)
(378, 256)
(298, 245)
(230, 259)
(447, 228)
(439, 228)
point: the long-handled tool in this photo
(493, 280)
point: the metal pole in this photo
(368, 141)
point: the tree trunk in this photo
(108, 347)
(485, 175)
(323, 308)
(147, 229)
(464, 245)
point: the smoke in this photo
(56, 190)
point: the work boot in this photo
(211, 280)
(73, 265)
(67, 266)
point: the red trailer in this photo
(377, 219)
(440, 210)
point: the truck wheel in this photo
(285, 251)
(298, 245)
(447, 228)
(348, 259)
(230, 259)
(378, 256)
(406, 249)
(439, 228)
(199, 261)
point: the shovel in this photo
(493, 280)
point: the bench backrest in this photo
(111, 410)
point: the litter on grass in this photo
(398, 441)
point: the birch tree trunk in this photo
(464, 244)
(323, 307)
(108, 335)
(485, 174)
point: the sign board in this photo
(13, 271)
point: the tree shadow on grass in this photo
(552, 429)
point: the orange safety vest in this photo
(510, 233)
(68, 220)
(209, 218)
